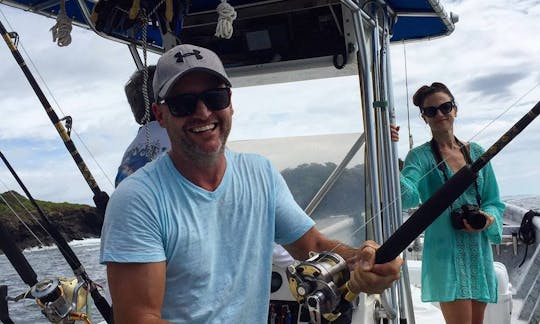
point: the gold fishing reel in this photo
(61, 300)
(321, 284)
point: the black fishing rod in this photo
(4, 313)
(68, 253)
(445, 196)
(100, 197)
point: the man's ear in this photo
(158, 113)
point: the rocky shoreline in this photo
(73, 221)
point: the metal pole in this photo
(332, 178)
(405, 295)
(372, 171)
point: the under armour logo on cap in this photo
(181, 60)
(180, 57)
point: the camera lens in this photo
(476, 220)
(469, 212)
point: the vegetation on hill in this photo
(20, 218)
(345, 198)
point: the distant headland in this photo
(74, 221)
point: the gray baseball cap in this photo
(182, 59)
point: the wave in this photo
(74, 243)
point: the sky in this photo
(490, 62)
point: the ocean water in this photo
(49, 263)
(524, 201)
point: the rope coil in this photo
(526, 232)
(227, 15)
(61, 31)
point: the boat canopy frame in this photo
(358, 35)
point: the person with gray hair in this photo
(188, 238)
(151, 138)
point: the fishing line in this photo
(22, 205)
(29, 213)
(506, 110)
(20, 219)
(36, 70)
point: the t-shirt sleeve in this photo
(131, 231)
(291, 221)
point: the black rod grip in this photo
(102, 305)
(16, 258)
(425, 215)
(4, 311)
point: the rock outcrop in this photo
(73, 221)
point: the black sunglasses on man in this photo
(185, 104)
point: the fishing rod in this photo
(100, 197)
(68, 253)
(447, 194)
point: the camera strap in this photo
(441, 165)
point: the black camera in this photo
(469, 212)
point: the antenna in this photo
(411, 142)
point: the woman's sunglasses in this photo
(445, 108)
(185, 104)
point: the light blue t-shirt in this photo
(217, 245)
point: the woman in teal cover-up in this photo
(457, 266)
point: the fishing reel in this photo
(321, 284)
(61, 300)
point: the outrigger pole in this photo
(68, 253)
(450, 191)
(100, 197)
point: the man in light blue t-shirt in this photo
(188, 238)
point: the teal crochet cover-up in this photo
(455, 264)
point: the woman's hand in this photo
(489, 220)
(394, 133)
(369, 277)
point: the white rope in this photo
(62, 30)
(227, 15)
